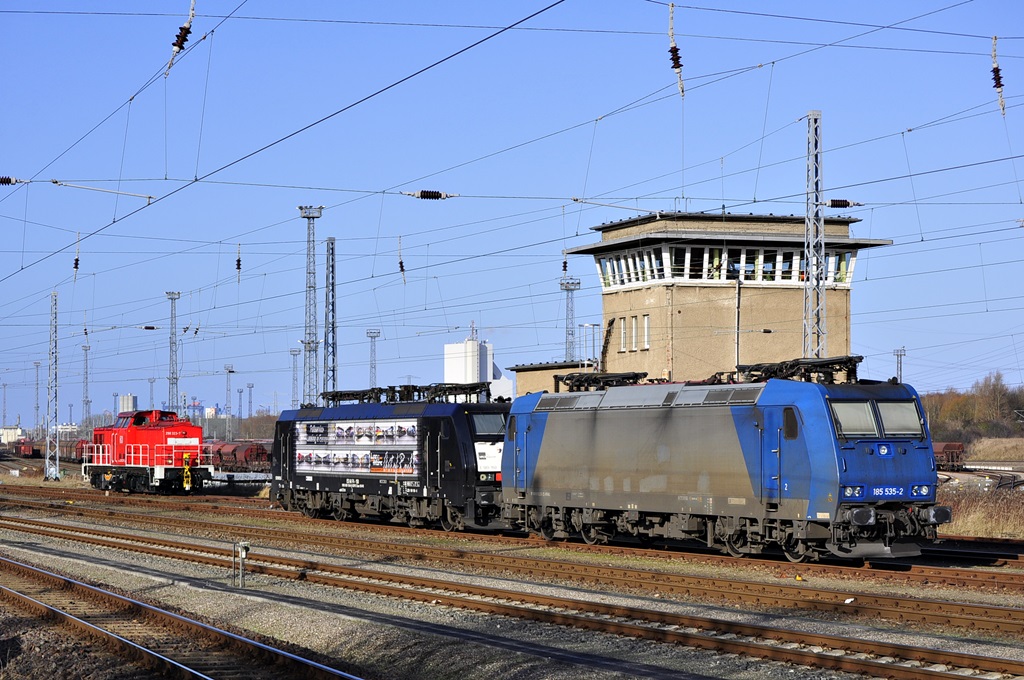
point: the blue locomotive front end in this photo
(886, 486)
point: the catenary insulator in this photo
(429, 195)
(8, 180)
(997, 77)
(182, 37)
(674, 54)
(841, 203)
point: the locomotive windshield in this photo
(488, 424)
(855, 419)
(900, 419)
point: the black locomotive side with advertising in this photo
(416, 463)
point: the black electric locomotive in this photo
(419, 462)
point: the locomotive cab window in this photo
(789, 423)
(488, 424)
(854, 419)
(900, 419)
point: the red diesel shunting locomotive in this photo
(148, 451)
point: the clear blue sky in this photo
(283, 104)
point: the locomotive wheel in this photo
(545, 530)
(734, 544)
(592, 536)
(341, 514)
(312, 513)
(448, 522)
(795, 550)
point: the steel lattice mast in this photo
(86, 401)
(37, 364)
(172, 363)
(228, 370)
(249, 386)
(570, 285)
(295, 352)
(815, 335)
(373, 334)
(52, 465)
(310, 375)
(330, 324)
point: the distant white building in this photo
(472, 361)
(127, 402)
(10, 434)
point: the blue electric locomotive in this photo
(810, 469)
(416, 462)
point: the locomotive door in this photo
(431, 430)
(518, 439)
(771, 456)
(441, 459)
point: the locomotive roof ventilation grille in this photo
(738, 395)
(651, 396)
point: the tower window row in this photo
(702, 263)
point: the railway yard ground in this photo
(439, 635)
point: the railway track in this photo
(770, 642)
(1000, 620)
(150, 637)
(886, 570)
(971, 549)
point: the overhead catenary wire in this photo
(914, 200)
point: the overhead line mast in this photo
(52, 463)
(815, 334)
(310, 375)
(172, 361)
(330, 324)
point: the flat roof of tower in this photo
(723, 236)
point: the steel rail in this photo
(124, 618)
(913, 573)
(841, 653)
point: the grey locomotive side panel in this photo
(655, 459)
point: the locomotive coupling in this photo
(861, 517)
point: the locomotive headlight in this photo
(848, 491)
(853, 491)
(920, 490)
